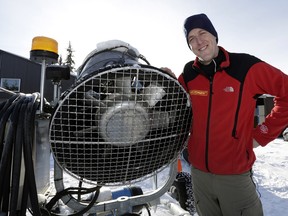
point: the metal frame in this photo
(122, 204)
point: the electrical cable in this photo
(17, 123)
(27, 149)
(17, 157)
(71, 191)
(25, 195)
(74, 191)
(6, 150)
(6, 156)
(5, 111)
(148, 210)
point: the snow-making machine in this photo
(120, 124)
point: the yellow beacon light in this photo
(45, 51)
(44, 48)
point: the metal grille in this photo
(120, 125)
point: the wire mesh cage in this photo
(121, 125)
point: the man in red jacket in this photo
(223, 89)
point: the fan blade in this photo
(92, 97)
(161, 119)
(123, 85)
(153, 93)
(83, 132)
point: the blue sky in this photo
(155, 28)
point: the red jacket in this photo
(223, 105)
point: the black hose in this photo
(2, 104)
(5, 165)
(27, 149)
(6, 189)
(7, 104)
(70, 191)
(89, 206)
(17, 122)
(25, 195)
(4, 115)
(17, 157)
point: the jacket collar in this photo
(220, 65)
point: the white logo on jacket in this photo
(228, 89)
(263, 129)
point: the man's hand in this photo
(169, 71)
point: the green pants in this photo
(225, 195)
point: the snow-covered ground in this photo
(270, 174)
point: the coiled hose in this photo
(17, 121)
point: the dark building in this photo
(19, 74)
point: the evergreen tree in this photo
(69, 59)
(60, 60)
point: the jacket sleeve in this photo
(270, 80)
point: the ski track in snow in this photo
(270, 175)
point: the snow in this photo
(270, 176)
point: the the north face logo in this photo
(263, 129)
(228, 89)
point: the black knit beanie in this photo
(199, 21)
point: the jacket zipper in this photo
(209, 113)
(208, 125)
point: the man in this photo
(223, 89)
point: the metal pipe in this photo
(43, 68)
(7, 91)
